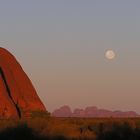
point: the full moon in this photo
(110, 54)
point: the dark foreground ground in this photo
(70, 129)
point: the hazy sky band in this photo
(61, 45)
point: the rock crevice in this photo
(9, 92)
(18, 97)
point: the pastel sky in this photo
(61, 45)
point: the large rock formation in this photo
(63, 111)
(18, 98)
(92, 112)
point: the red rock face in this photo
(18, 97)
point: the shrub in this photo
(40, 114)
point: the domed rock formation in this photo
(92, 112)
(64, 111)
(18, 98)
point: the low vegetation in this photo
(49, 128)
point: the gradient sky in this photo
(61, 46)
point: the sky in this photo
(61, 45)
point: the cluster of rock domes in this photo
(18, 97)
(92, 112)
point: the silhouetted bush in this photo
(120, 132)
(23, 132)
(41, 114)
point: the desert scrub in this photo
(40, 114)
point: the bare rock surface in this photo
(18, 98)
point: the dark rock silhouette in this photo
(92, 111)
(18, 98)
